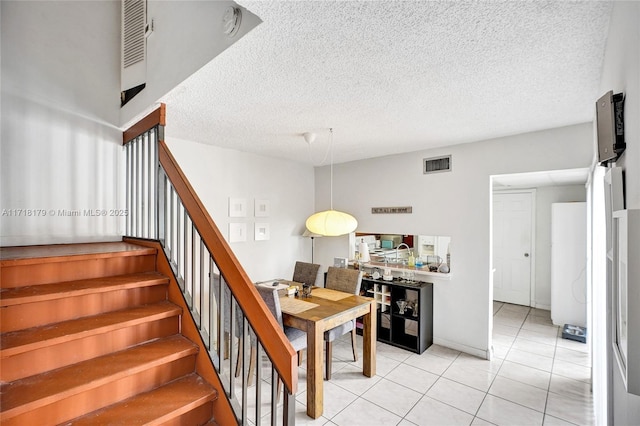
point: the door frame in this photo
(532, 251)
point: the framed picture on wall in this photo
(237, 207)
(237, 232)
(262, 207)
(262, 231)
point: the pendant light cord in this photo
(331, 149)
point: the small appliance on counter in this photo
(340, 262)
(386, 275)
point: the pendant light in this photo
(331, 223)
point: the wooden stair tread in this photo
(26, 255)
(15, 342)
(43, 292)
(158, 405)
(26, 394)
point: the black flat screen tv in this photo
(610, 125)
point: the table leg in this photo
(369, 329)
(315, 376)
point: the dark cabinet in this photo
(405, 312)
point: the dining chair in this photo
(238, 321)
(306, 273)
(297, 338)
(349, 281)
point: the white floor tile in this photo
(511, 319)
(392, 397)
(479, 422)
(571, 355)
(365, 413)
(540, 313)
(500, 351)
(442, 352)
(384, 365)
(571, 370)
(476, 378)
(530, 359)
(535, 336)
(470, 361)
(503, 340)
(431, 363)
(571, 408)
(524, 374)
(352, 379)
(534, 347)
(392, 352)
(565, 385)
(335, 399)
(521, 310)
(572, 344)
(457, 395)
(502, 412)
(412, 377)
(546, 329)
(429, 412)
(554, 421)
(520, 393)
(505, 330)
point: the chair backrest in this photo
(270, 297)
(238, 315)
(306, 273)
(343, 279)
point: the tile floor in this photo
(536, 378)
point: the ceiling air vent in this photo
(436, 164)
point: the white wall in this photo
(456, 204)
(60, 149)
(217, 174)
(620, 73)
(545, 196)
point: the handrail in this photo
(163, 206)
(264, 324)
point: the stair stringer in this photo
(222, 411)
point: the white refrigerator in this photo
(569, 263)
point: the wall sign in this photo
(388, 210)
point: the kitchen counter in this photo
(419, 272)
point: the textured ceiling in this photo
(394, 76)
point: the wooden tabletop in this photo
(322, 311)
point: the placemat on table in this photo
(292, 305)
(328, 294)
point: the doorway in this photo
(513, 246)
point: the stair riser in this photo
(197, 416)
(67, 353)
(74, 405)
(20, 275)
(28, 315)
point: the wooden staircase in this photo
(88, 336)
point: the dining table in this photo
(321, 311)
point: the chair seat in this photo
(334, 333)
(298, 338)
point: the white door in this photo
(512, 213)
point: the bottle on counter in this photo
(412, 260)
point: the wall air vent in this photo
(133, 41)
(436, 164)
(134, 31)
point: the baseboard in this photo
(541, 306)
(484, 354)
